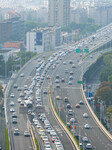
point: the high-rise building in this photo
(59, 13)
(11, 30)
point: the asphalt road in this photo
(96, 137)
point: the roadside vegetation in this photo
(7, 139)
(37, 144)
(1, 92)
(81, 29)
(14, 63)
(29, 24)
(104, 92)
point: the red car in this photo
(77, 105)
(54, 138)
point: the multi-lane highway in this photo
(57, 66)
(73, 92)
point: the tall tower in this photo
(59, 12)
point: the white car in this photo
(88, 146)
(48, 147)
(26, 133)
(11, 103)
(22, 75)
(87, 126)
(19, 100)
(12, 95)
(85, 115)
(12, 110)
(85, 139)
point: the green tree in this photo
(107, 71)
(104, 94)
(1, 91)
(2, 65)
(110, 78)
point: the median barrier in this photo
(63, 125)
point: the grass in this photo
(37, 144)
(7, 139)
(62, 119)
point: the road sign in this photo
(86, 50)
(78, 50)
(80, 82)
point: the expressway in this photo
(21, 142)
(96, 137)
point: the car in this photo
(65, 99)
(45, 138)
(57, 77)
(64, 63)
(85, 139)
(46, 143)
(19, 100)
(15, 86)
(72, 120)
(70, 62)
(16, 132)
(73, 66)
(58, 97)
(48, 147)
(87, 126)
(11, 103)
(88, 146)
(54, 138)
(57, 86)
(45, 92)
(22, 75)
(81, 102)
(12, 110)
(70, 112)
(26, 133)
(19, 88)
(68, 106)
(62, 80)
(85, 115)
(91, 56)
(21, 94)
(57, 81)
(77, 105)
(66, 70)
(14, 120)
(68, 124)
(71, 73)
(70, 83)
(71, 77)
(14, 115)
(12, 95)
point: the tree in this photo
(2, 66)
(107, 71)
(1, 92)
(104, 94)
(110, 78)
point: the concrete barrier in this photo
(63, 125)
(109, 136)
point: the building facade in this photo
(101, 15)
(59, 13)
(43, 39)
(11, 30)
(39, 40)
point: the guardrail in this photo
(63, 125)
